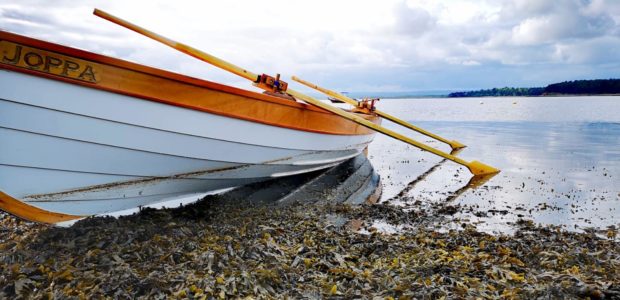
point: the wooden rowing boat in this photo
(85, 134)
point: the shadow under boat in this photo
(354, 182)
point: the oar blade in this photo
(456, 145)
(478, 168)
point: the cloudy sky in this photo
(350, 45)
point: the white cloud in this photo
(414, 21)
(564, 21)
(373, 45)
(598, 51)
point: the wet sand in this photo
(560, 159)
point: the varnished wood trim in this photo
(152, 84)
(31, 213)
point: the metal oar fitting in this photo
(368, 103)
(270, 83)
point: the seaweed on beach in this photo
(221, 249)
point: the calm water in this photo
(560, 159)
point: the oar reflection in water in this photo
(422, 176)
(474, 182)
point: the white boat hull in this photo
(85, 151)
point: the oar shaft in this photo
(453, 144)
(326, 91)
(475, 167)
(220, 63)
(375, 127)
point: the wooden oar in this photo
(454, 144)
(179, 46)
(475, 167)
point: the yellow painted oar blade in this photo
(453, 144)
(478, 168)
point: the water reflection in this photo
(562, 172)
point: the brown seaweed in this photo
(221, 249)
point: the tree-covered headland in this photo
(575, 87)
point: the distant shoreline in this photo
(576, 88)
(567, 88)
(539, 96)
(533, 96)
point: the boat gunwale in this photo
(166, 75)
(124, 64)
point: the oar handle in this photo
(220, 63)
